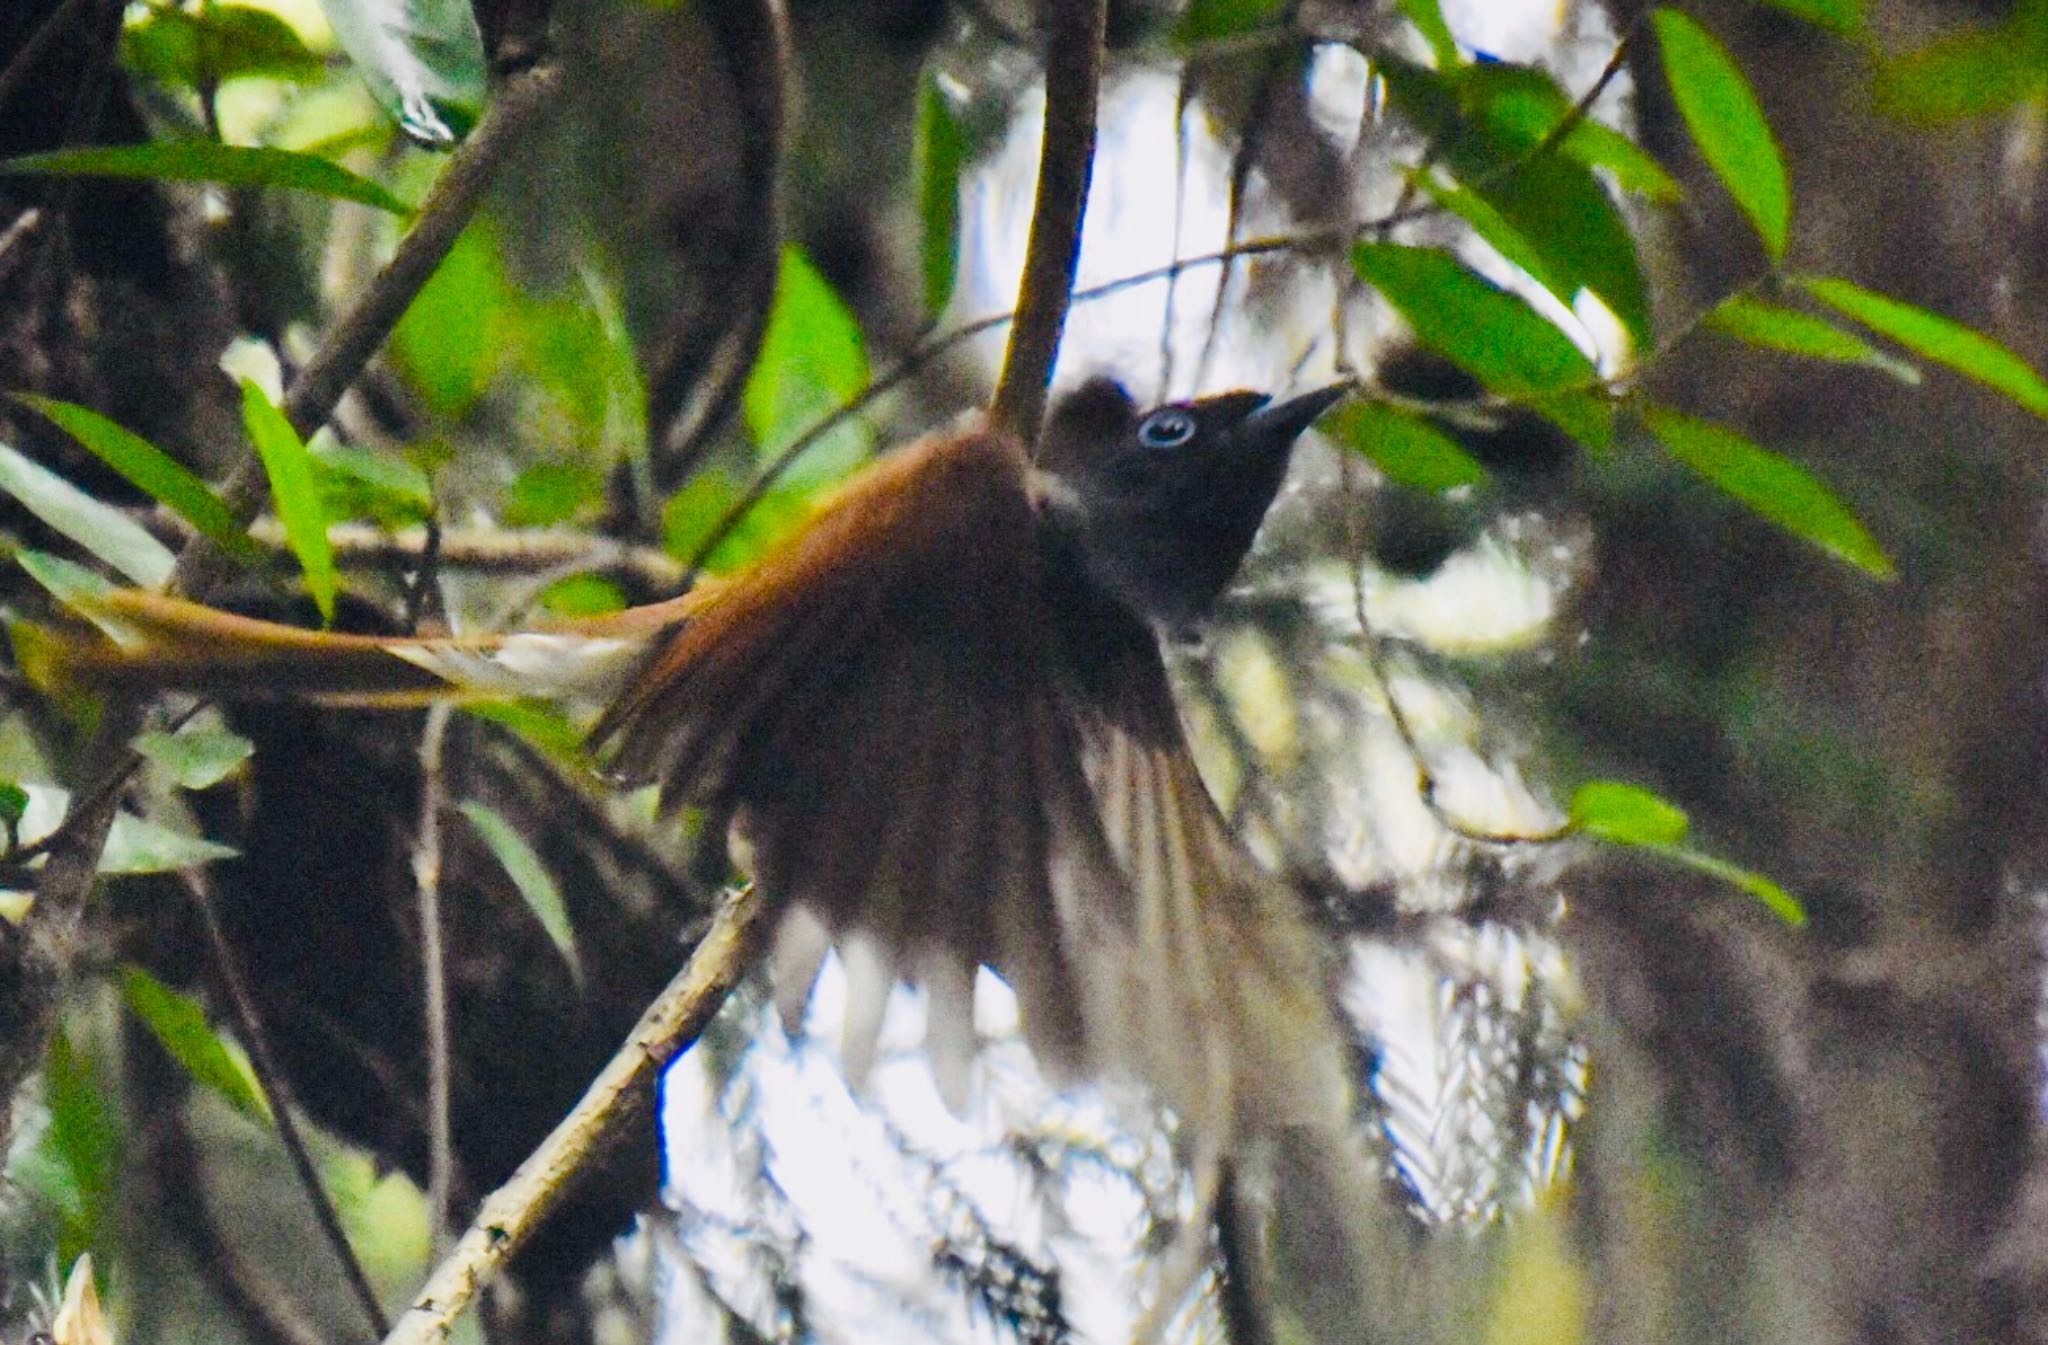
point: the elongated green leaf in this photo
(1487, 221)
(1586, 416)
(1727, 123)
(295, 492)
(811, 361)
(138, 845)
(1971, 73)
(1775, 898)
(74, 1166)
(1428, 18)
(1629, 815)
(1625, 814)
(940, 153)
(179, 1024)
(1937, 338)
(207, 161)
(423, 60)
(149, 469)
(1780, 490)
(1774, 327)
(1635, 169)
(536, 885)
(1406, 447)
(1844, 17)
(104, 531)
(1482, 329)
(196, 758)
(220, 42)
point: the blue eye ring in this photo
(1168, 427)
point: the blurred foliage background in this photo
(1642, 680)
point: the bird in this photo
(939, 720)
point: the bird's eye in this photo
(1169, 427)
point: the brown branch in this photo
(1073, 80)
(511, 1214)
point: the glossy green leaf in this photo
(294, 492)
(939, 152)
(811, 361)
(536, 885)
(149, 469)
(1727, 123)
(1626, 814)
(1972, 73)
(1937, 338)
(1406, 447)
(1428, 18)
(1501, 235)
(99, 528)
(1778, 489)
(196, 758)
(217, 43)
(1843, 17)
(180, 1026)
(209, 161)
(1481, 328)
(548, 493)
(1207, 20)
(423, 60)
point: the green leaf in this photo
(1973, 73)
(1428, 18)
(1780, 490)
(1842, 17)
(196, 758)
(1484, 330)
(423, 60)
(1207, 20)
(1968, 352)
(452, 340)
(1501, 235)
(13, 804)
(692, 513)
(1635, 169)
(136, 845)
(536, 885)
(1773, 327)
(363, 483)
(99, 528)
(582, 595)
(548, 493)
(1727, 123)
(1587, 416)
(209, 161)
(1625, 814)
(811, 361)
(179, 1024)
(541, 726)
(294, 490)
(78, 1158)
(150, 470)
(1406, 447)
(219, 42)
(72, 585)
(939, 152)
(1775, 898)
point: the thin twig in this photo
(426, 873)
(515, 1210)
(1066, 160)
(277, 1093)
(17, 229)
